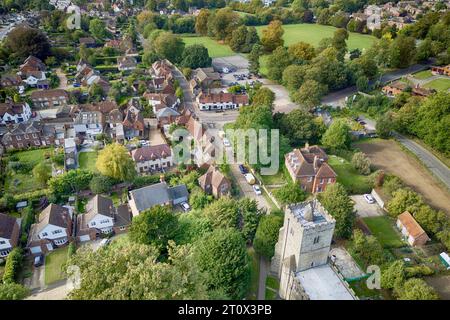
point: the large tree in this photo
(24, 41)
(223, 256)
(223, 23)
(302, 51)
(42, 172)
(223, 213)
(98, 29)
(201, 22)
(309, 94)
(337, 135)
(277, 62)
(267, 235)
(196, 56)
(339, 205)
(114, 161)
(272, 36)
(119, 272)
(168, 46)
(155, 226)
(416, 289)
(301, 126)
(402, 52)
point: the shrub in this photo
(13, 263)
(13, 291)
(361, 163)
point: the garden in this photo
(54, 263)
(87, 160)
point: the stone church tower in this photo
(304, 242)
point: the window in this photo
(44, 234)
(104, 221)
(122, 228)
(2, 242)
(316, 239)
(57, 231)
(330, 180)
(18, 138)
(93, 223)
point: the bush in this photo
(361, 163)
(290, 193)
(267, 235)
(13, 263)
(13, 291)
(418, 271)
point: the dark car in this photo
(243, 169)
(39, 261)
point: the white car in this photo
(226, 142)
(257, 189)
(105, 242)
(185, 206)
(369, 198)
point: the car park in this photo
(369, 198)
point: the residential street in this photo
(439, 169)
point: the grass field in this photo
(53, 265)
(382, 228)
(215, 48)
(253, 290)
(313, 33)
(439, 84)
(354, 182)
(19, 182)
(422, 74)
(87, 160)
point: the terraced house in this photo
(24, 135)
(152, 158)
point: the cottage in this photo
(102, 217)
(220, 101)
(203, 79)
(11, 113)
(411, 229)
(31, 64)
(159, 194)
(12, 81)
(214, 182)
(9, 234)
(444, 70)
(148, 159)
(394, 89)
(25, 135)
(160, 101)
(52, 230)
(309, 167)
(49, 98)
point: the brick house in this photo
(152, 158)
(214, 182)
(24, 135)
(49, 98)
(166, 116)
(133, 125)
(31, 64)
(9, 234)
(53, 229)
(411, 229)
(308, 166)
(444, 70)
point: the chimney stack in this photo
(161, 178)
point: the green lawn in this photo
(253, 290)
(53, 265)
(274, 178)
(215, 48)
(19, 182)
(422, 74)
(354, 182)
(87, 160)
(313, 33)
(272, 286)
(439, 84)
(382, 228)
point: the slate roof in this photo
(157, 194)
(151, 152)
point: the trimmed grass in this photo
(423, 74)
(270, 294)
(382, 228)
(53, 265)
(439, 84)
(87, 160)
(215, 49)
(254, 271)
(272, 286)
(313, 33)
(361, 290)
(354, 182)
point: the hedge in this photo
(13, 262)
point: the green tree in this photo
(115, 162)
(293, 76)
(169, 46)
(301, 127)
(98, 29)
(201, 22)
(402, 51)
(155, 226)
(310, 94)
(23, 41)
(250, 216)
(12, 265)
(223, 256)
(337, 135)
(267, 235)
(223, 23)
(385, 125)
(42, 173)
(253, 58)
(367, 249)
(223, 213)
(289, 193)
(196, 56)
(198, 199)
(277, 62)
(404, 200)
(13, 291)
(339, 205)
(302, 52)
(100, 184)
(394, 275)
(361, 163)
(272, 36)
(416, 289)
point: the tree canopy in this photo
(115, 162)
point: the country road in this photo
(437, 167)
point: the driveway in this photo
(62, 79)
(364, 209)
(37, 279)
(155, 135)
(57, 291)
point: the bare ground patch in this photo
(388, 156)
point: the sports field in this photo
(215, 48)
(313, 33)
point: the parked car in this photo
(257, 189)
(38, 261)
(250, 178)
(226, 142)
(76, 85)
(369, 198)
(185, 206)
(105, 242)
(243, 169)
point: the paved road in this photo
(437, 167)
(337, 98)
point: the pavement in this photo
(364, 209)
(56, 291)
(436, 166)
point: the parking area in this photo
(155, 135)
(365, 209)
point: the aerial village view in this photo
(245, 150)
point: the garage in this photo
(36, 250)
(85, 238)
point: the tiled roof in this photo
(11, 108)
(151, 152)
(7, 225)
(412, 226)
(49, 94)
